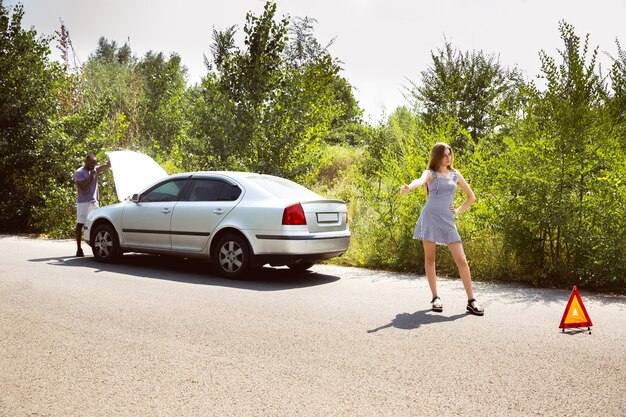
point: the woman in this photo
(436, 226)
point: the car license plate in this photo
(327, 217)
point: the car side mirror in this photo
(135, 198)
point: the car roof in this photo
(248, 180)
(235, 174)
(239, 175)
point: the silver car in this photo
(236, 219)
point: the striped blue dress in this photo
(436, 221)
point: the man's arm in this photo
(83, 185)
(104, 167)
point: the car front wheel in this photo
(105, 245)
(231, 257)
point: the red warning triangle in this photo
(575, 314)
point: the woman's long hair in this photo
(436, 156)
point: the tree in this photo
(111, 81)
(563, 172)
(235, 96)
(91, 117)
(162, 103)
(303, 47)
(258, 110)
(27, 103)
(223, 45)
(110, 52)
(617, 101)
(472, 87)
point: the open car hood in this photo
(133, 172)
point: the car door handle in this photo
(165, 211)
(218, 211)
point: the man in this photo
(86, 179)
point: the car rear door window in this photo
(211, 190)
(229, 192)
(204, 190)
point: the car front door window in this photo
(168, 191)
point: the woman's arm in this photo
(423, 180)
(468, 192)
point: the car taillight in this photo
(294, 215)
(346, 216)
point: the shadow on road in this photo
(407, 321)
(195, 272)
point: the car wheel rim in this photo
(231, 257)
(103, 244)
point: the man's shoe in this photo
(79, 253)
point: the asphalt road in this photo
(154, 336)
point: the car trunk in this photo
(325, 215)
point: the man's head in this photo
(90, 161)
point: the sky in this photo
(382, 43)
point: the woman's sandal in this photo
(437, 306)
(474, 308)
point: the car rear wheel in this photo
(302, 266)
(231, 256)
(105, 245)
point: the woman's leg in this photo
(430, 251)
(456, 249)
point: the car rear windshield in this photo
(282, 188)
